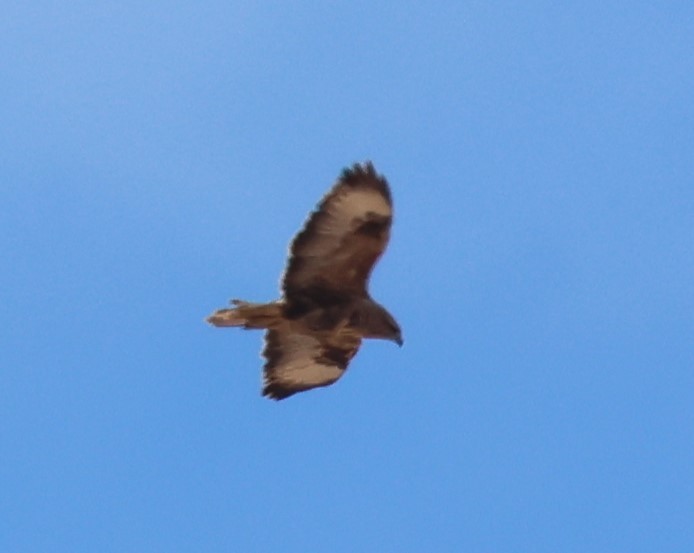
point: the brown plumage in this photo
(325, 311)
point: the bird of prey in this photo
(316, 327)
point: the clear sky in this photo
(155, 160)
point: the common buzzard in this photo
(317, 326)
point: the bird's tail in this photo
(247, 315)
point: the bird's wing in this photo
(296, 362)
(340, 242)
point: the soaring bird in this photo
(316, 327)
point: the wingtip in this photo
(275, 392)
(359, 169)
(364, 174)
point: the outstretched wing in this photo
(337, 248)
(297, 362)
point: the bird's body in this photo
(316, 328)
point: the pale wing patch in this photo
(359, 202)
(344, 211)
(298, 362)
(308, 374)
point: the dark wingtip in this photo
(365, 168)
(364, 174)
(275, 392)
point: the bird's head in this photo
(378, 323)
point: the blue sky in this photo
(155, 161)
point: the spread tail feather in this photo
(247, 315)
